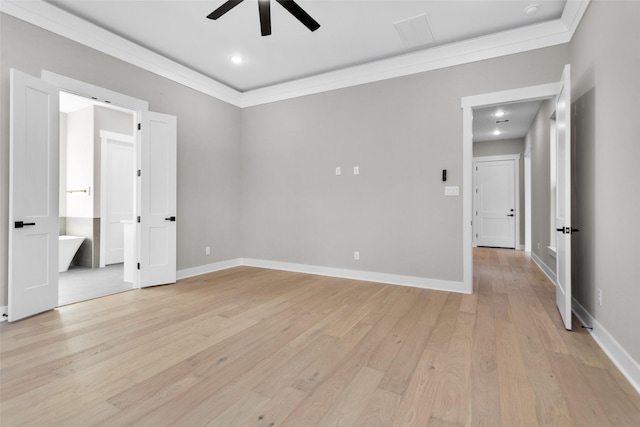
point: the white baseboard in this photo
(392, 279)
(629, 367)
(4, 313)
(208, 268)
(545, 268)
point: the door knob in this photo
(171, 218)
(20, 224)
(510, 215)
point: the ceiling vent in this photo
(415, 31)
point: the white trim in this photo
(468, 103)
(208, 268)
(520, 248)
(4, 313)
(545, 268)
(629, 367)
(532, 37)
(60, 22)
(87, 90)
(527, 201)
(516, 170)
(552, 251)
(391, 279)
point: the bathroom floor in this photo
(81, 284)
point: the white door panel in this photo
(158, 183)
(33, 196)
(563, 198)
(117, 204)
(495, 203)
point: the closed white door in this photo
(117, 193)
(158, 201)
(495, 203)
(563, 198)
(33, 196)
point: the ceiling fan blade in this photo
(264, 7)
(302, 16)
(226, 7)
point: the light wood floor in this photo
(252, 347)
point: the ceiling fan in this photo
(264, 8)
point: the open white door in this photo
(563, 200)
(158, 182)
(117, 182)
(33, 196)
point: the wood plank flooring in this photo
(253, 347)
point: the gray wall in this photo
(208, 138)
(606, 65)
(501, 147)
(538, 140)
(401, 133)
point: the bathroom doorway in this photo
(96, 199)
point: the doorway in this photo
(97, 187)
(470, 106)
(560, 92)
(34, 190)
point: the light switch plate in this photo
(451, 190)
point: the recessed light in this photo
(532, 9)
(236, 59)
(496, 132)
(499, 113)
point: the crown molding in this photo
(538, 36)
(58, 21)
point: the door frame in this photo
(87, 90)
(105, 136)
(516, 182)
(468, 104)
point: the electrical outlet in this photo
(356, 170)
(356, 255)
(599, 296)
(338, 170)
(207, 250)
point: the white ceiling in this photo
(514, 123)
(352, 32)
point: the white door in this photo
(33, 196)
(563, 197)
(117, 196)
(495, 203)
(158, 180)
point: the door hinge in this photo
(139, 126)
(139, 172)
(138, 266)
(138, 218)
